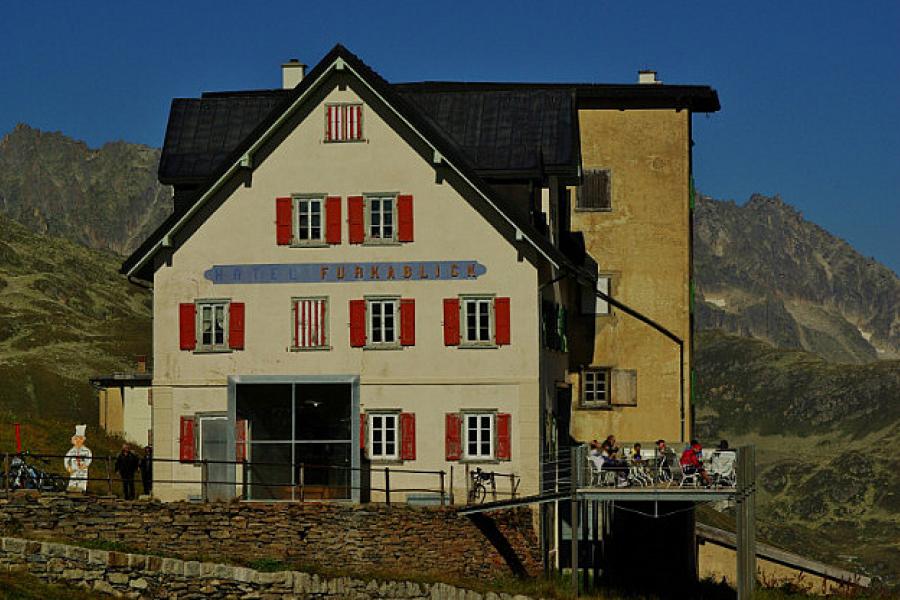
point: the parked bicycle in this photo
(25, 476)
(478, 490)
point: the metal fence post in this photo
(452, 499)
(108, 476)
(387, 485)
(442, 487)
(302, 483)
(245, 487)
(204, 477)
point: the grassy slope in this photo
(65, 315)
(825, 433)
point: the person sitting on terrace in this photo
(690, 461)
(722, 464)
(594, 446)
(636, 454)
(609, 454)
(665, 456)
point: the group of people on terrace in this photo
(663, 466)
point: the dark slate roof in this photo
(202, 132)
(504, 130)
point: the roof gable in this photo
(445, 155)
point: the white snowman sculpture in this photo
(77, 461)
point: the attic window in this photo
(595, 193)
(343, 122)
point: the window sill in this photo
(386, 462)
(310, 349)
(480, 461)
(309, 245)
(589, 210)
(606, 407)
(383, 347)
(214, 351)
(377, 242)
(478, 346)
(359, 141)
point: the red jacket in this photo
(691, 457)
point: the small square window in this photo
(212, 325)
(595, 388)
(595, 191)
(477, 320)
(310, 323)
(383, 436)
(381, 218)
(479, 430)
(343, 122)
(383, 322)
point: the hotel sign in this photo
(346, 272)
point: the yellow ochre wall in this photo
(644, 243)
(429, 378)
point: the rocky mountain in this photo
(763, 271)
(105, 198)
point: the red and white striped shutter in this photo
(407, 322)
(357, 323)
(236, 325)
(187, 326)
(501, 321)
(351, 122)
(333, 219)
(329, 123)
(453, 436)
(451, 321)
(358, 110)
(309, 323)
(356, 219)
(504, 435)
(284, 225)
(404, 218)
(186, 440)
(407, 436)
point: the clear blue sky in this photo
(810, 90)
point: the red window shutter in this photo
(359, 122)
(504, 430)
(451, 321)
(407, 322)
(236, 325)
(407, 436)
(328, 131)
(404, 218)
(187, 326)
(284, 229)
(186, 439)
(501, 321)
(356, 219)
(453, 436)
(240, 440)
(357, 323)
(362, 431)
(333, 219)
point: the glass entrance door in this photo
(299, 439)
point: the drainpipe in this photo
(680, 342)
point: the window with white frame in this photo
(381, 212)
(478, 320)
(309, 220)
(479, 430)
(383, 434)
(212, 323)
(383, 322)
(310, 323)
(343, 122)
(595, 387)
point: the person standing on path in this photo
(126, 466)
(146, 467)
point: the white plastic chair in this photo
(721, 468)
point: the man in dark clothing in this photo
(147, 470)
(126, 466)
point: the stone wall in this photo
(143, 576)
(421, 541)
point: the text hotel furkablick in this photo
(346, 272)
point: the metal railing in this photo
(296, 482)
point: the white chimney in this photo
(648, 77)
(292, 73)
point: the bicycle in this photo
(478, 490)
